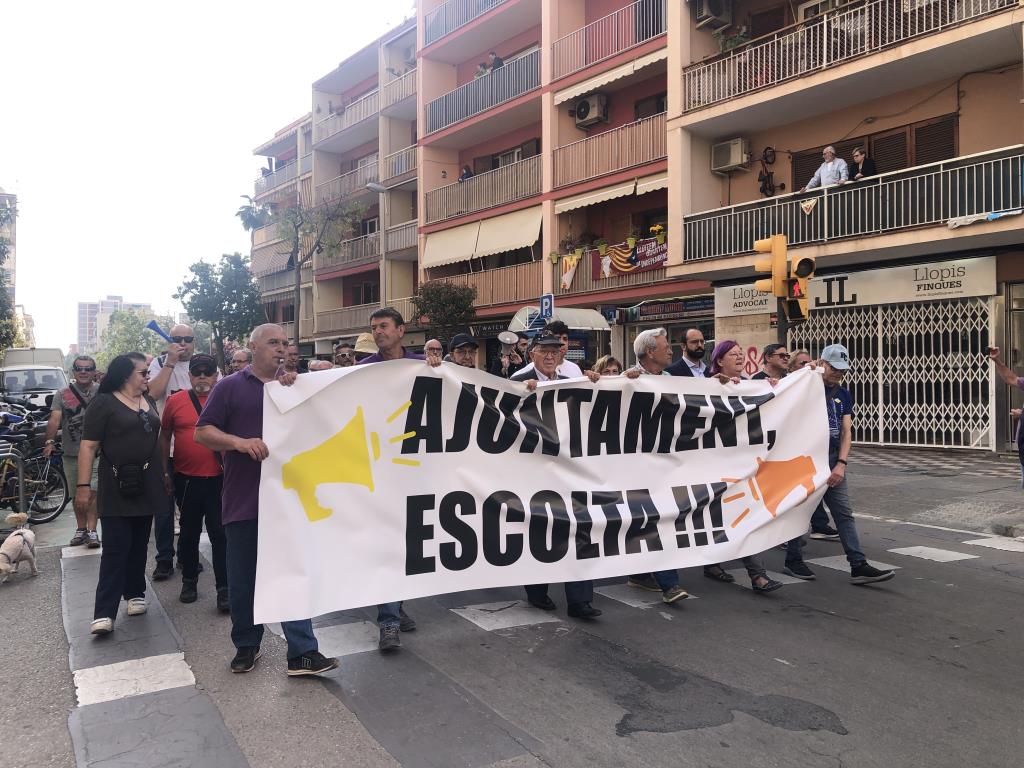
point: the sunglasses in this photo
(90, 369)
(345, 354)
(203, 372)
(146, 425)
(783, 355)
(183, 339)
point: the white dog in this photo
(19, 546)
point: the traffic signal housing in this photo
(775, 264)
(801, 272)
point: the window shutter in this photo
(529, 148)
(804, 166)
(891, 151)
(935, 140)
(483, 164)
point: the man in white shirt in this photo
(832, 171)
(566, 369)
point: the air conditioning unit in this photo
(714, 14)
(729, 155)
(591, 109)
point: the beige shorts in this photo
(71, 473)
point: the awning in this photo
(266, 261)
(528, 318)
(450, 245)
(651, 183)
(596, 196)
(625, 70)
(519, 229)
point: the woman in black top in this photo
(863, 166)
(123, 427)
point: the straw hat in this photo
(365, 343)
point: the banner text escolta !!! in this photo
(396, 480)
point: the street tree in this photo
(223, 296)
(8, 324)
(448, 307)
(305, 228)
(127, 332)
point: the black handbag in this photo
(131, 478)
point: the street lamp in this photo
(380, 189)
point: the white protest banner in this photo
(396, 480)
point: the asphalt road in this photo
(922, 670)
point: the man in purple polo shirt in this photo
(232, 422)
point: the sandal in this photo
(715, 572)
(770, 585)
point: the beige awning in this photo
(595, 196)
(624, 70)
(651, 183)
(450, 245)
(519, 229)
(270, 259)
(576, 318)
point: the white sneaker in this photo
(102, 626)
(137, 606)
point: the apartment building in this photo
(9, 201)
(94, 316)
(625, 155)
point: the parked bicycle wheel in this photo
(46, 491)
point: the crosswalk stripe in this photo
(742, 580)
(504, 615)
(132, 678)
(635, 598)
(840, 563)
(1007, 545)
(932, 553)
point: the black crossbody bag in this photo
(131, 477)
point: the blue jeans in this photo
(838, 501)
(241, 561)
(387, 614)
(819, 520)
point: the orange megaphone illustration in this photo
(777, 479)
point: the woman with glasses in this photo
(122, 427)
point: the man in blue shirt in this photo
(832, 171)
(835, 362)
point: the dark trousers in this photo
(163, 526)
(576, 592)
(241, 561)
(122, 563)
(199, 500)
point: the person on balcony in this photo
(496, 61)
(833, 171)
(863, 166)
(481, 70)
(466, 173)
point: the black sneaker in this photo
(223, 605)
(798, 569)
(643, 581)
(189, 593)
(389, 639)
(825, 534)
(584, 611)
(405, 623)
(163, 571)
(312, 663)
(245, 659)
(544, 603)
(867, 574)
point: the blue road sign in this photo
(547, 306)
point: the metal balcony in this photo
(508, 82)
(617, 32)
(402, 87)
(354, 319)
(449, 16)
(616, 150)
(347, 183)
(521, 283)
(515, 181)
(350, 253)
(283, 175)
(352, 114)
(398, 163)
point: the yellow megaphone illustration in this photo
(343, 458)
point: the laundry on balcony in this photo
(963, 221)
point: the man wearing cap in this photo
(196, 480)
(566, 368)
(344, 354)
(462, 349)
(545, 351)
(835, 362)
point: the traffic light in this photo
(796, 288)
(776, 265)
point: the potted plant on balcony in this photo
(553, 256)
(658, 230)
(730, 37)
(567, 243)
(602, 245)
(632, 237)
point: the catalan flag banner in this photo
(397, 480)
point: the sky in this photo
(127, 130)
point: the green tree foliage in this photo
(447, 307)
(127, 332)
(225, 297)
(9, 330)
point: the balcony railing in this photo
(406, 310)
(585, 282)
(398, 163)
(507, 184)
(355, 318)
(350, 253)
(356, 112)
(824, 41)
(449, 16)
(507, 285)
(305, 328)
(306, 164)
(604, 38)
(401, 236)
(265, 235)
(926, 195)
(508, 82)
(401, 87)
(282, 280)
(616, 150)
(347, 183)
(281, 176)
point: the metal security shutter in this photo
(891, 150)
(935, 140)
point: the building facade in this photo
(93, 317)
(624, 157)
(9, 231)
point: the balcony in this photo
(520, 284)
(279, 281)
(399, 89)
(347, 183)
(928, 195)
(515, 181)
(264, 235)
(451, 15)
(283, 175)
(401, 236)
(398, 163)
(350, 253)
(617, 32)
(353, 114)
(825, 41)
(406, 310)
(306, 164)
(345, 320)
(510, 81)
(305, 328)
(624, 147)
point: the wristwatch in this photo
(51, 441)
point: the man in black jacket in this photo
(692, 362)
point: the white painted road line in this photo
(742, 580)
(132, 678)
(346, 639)
(1007, 545)
(635, 598)
(504, 615)
(931, 553)
(840, 563)
(79, 551)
